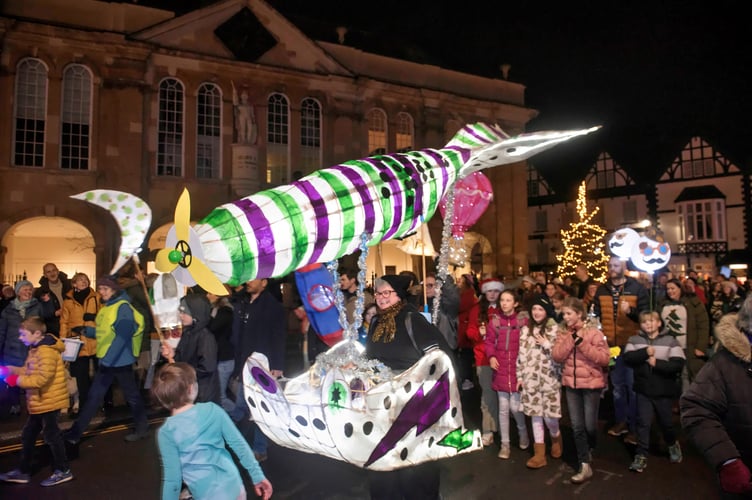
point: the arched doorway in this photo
(33, 242)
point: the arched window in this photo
(30, 113)
(277, 140)
(208, 131)
(376, 132)
(75, 132)
(170, 128)
(310, 135)
(405, 140)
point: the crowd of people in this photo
(654, 348)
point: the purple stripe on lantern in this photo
(395, 201)
(322, 217)
(262, 231)
(415, 176)
(365, 195)
(464, 152)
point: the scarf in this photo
(387, 326)
(80, 295)
(21, 306)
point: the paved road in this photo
(109, 468)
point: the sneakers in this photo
(15, 476)
(618, 429)
(639, 463)
(586, 472)
(135, 436)
(631, 438)
(675, 453)
(488, 439)
(505, 451)
(467, 385)
(57, 477)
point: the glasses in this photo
(385, 293)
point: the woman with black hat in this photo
(390, 342)
(540, 379)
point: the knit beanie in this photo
(21, 284)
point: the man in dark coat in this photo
(53, 287)
(716, 410)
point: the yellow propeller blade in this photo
(163, 262)
(183, 216)
(205, 278)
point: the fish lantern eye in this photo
(663, 249)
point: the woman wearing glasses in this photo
(390, 342)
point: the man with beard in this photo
(618, 303)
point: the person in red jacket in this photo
(476, 330)
(583, 350)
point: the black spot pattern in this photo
(295, 434)
(264, 407)
(432, 370)
(387, 402)
(301, 420)
(348, 429)
(431, 441)
(408, 387)
(454, 412)
(403, 453)
(319, 424)
(367, 428)
(251, 402)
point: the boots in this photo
(586, 472)
(556, 448)
(539, 459)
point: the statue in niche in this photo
(245, 117)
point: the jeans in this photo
(224, 369)
(664, 417)
(102, 382)
(583, 413)
(52, 436)
(509, 402)
(625, 400)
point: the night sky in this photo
(652, 75)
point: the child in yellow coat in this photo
(43, 378)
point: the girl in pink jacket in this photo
(502, 345)
(583, 350)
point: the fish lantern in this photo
(650, 255)
(622, 241)
(472, 194)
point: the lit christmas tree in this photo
(584, 243)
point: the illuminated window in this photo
(208, 131)
(376, 132)
(702, 220)
(310, 135)
(29, 113)
(170, 128)
(75, 132)
(278, 139)
(405, 140)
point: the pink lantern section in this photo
(472, 194)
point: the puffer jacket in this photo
(43, 377)
(502, 342)
(663, 379)
(617, 326)
(198, 348)
(716, 412)
(73, 324)
(583, 365)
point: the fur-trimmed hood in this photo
(733, 339)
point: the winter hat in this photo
(545, 303)
(528, 279)
(22, 283)
(491, 284)
(109, 282)
(399, 283)
(183, 308)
